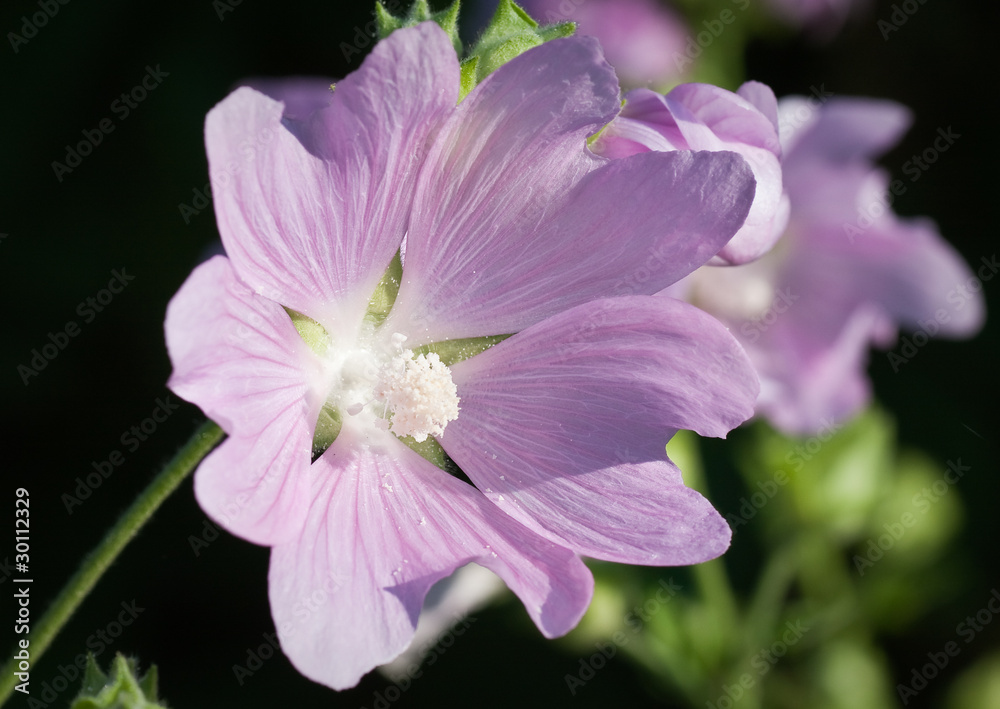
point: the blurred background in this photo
(135, 212)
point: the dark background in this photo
(120, 210)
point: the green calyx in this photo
(330, 419)
(122, 688)
(511, 32)
(446, 19)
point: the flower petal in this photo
(705, 117)
(384, 526)
(564, 425)
(840, 130)
(302, 95)
(238, 357)
(515, 219)
(312, 211)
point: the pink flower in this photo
(846, 275)
(705, 117)
(512, 227)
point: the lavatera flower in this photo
(414, 285)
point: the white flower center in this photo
(415, 393)
(420, 394)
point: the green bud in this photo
(123, 689)
(446, 19)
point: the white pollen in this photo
(420, 393)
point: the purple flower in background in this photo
(847, 273)
(821, 18)
(640, 37)
(705, 117)
(512, 227)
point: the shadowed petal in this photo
(564, 426)
(384, 526)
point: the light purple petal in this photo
(506, 271)
(705, 117)
(564, 425)
(762, 98)
(904, 268)
(809, 384)
(384, 526)
(238, 357)
(841, 130)
(312, 212)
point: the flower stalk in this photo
(97, 562)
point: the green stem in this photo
(98, 561)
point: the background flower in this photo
(846, 275)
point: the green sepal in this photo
(512, 32)
(314, 334)
(467, 77)
(420, 11)
(121, 689)
(452, 351)
(382, 300)
(327, 429)
(431, 451)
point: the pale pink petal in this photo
(384, 526)
(238, 357)
(508, 264)
(564, 426)
(705, 117)
(312, 211)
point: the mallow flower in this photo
(706, 117)
(415, 287)
(847, 274)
